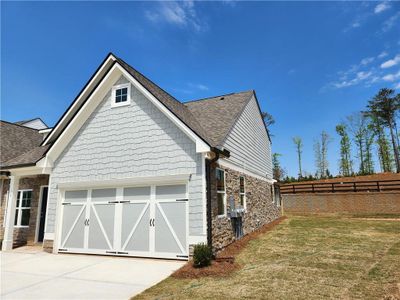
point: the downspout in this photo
(209, 162)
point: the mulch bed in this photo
(224, 264)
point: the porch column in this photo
(10, 214)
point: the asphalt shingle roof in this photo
(16, 140)
(218, 114)
(27, 159)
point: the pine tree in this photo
(386, 105)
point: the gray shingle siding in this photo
(129, 141)
(248, 142)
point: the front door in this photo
(42, 218)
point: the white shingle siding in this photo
(129, 141)
(248, 142)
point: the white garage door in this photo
(147, 221)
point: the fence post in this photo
(355, 187)
(333, 187)
(378, 186)
(294, 189)
(312, 186)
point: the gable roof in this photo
(175, 106)
(211, 119)
(16, 140)
(218, 114)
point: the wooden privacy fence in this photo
(341, 186)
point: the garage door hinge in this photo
(66, 203)
(119, 252)
(62, 249)
(182, 256)
(111, 252)
(182, 199)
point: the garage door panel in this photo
(164, 238)
(73, 234)
(137, 193)
(139, 239)
(171, 192)
(101, 228)
(176, 215)
(103, 195)
(76, 196)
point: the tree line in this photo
(373, 129)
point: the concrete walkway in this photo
(29, 274)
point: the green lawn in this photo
(305, 258)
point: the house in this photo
(129, 170)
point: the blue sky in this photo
(311, 63)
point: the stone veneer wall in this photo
(260, 208)
(25, 235)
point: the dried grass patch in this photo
(224, 264)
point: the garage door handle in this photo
(152, 222)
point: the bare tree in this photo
(299, 149)
(321, 153)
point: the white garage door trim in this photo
(161, 209)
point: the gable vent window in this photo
(121, 95)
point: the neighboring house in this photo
(36, 123)
(132, 171)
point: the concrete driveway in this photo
(29, 274)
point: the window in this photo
(121, 95)
(221, 197)
(242, 192)
(23, 208)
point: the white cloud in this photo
(388, 24)
(381, 7)
(383, 54)
(359, 77)
(391, 62)
(397, 86)
(178, 13)
(198, 86)
(391, 77)
(367, 60)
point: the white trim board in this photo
(132, 181)
(83, 94)
(230, 165)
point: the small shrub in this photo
(202, 256)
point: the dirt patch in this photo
(225, 263)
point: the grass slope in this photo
(305, 258)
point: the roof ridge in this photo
(19, 125)
(223, 95)
(151, 81)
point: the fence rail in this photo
(341, 186)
